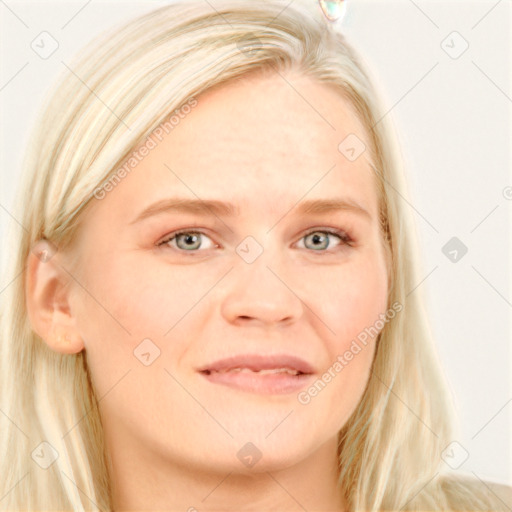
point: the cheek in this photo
(130, 299)
(353, 298)
(353, 303)
(122, 305)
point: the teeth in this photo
(262, 372)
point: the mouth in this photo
(289, 371)
(260, 374)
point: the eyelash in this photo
(344, 237)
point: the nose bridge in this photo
(257, 289)
(257, 259)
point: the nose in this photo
(261, 292)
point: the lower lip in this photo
(266, 384)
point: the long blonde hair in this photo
(111, 99)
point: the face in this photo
(268, 283)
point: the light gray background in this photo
(453, 118)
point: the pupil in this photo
(316, 238)
(189, 239)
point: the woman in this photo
(215, 312)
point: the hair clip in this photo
(333, 9)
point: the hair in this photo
(108, 101)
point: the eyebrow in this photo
(221, 209)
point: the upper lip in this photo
(256, 362)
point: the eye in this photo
(191, 240)
(319, 238)
(185, 240)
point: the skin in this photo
(173, 436)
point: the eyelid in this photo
(344, 235)
(194, 231)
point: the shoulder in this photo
(502, 492)
(470, 493)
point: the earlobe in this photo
(47, 293)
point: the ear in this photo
(47, 293)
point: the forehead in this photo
(261, 142)
(291, 121)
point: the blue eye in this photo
(190, 241)
(321, 241)
(185, 240)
